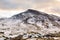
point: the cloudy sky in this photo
(11, 7)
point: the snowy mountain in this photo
(28, 22)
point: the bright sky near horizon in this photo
(12, 7)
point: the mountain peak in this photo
(31, 10)
(27, 12)
(31, 21)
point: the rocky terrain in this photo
(30, 25)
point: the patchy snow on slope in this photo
(30, 21)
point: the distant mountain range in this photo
(30, 21)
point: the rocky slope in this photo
(29, 24)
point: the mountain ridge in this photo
(30, 21)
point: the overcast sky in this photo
(24, 4)
(11, 7)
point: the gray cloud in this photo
(12, 4)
